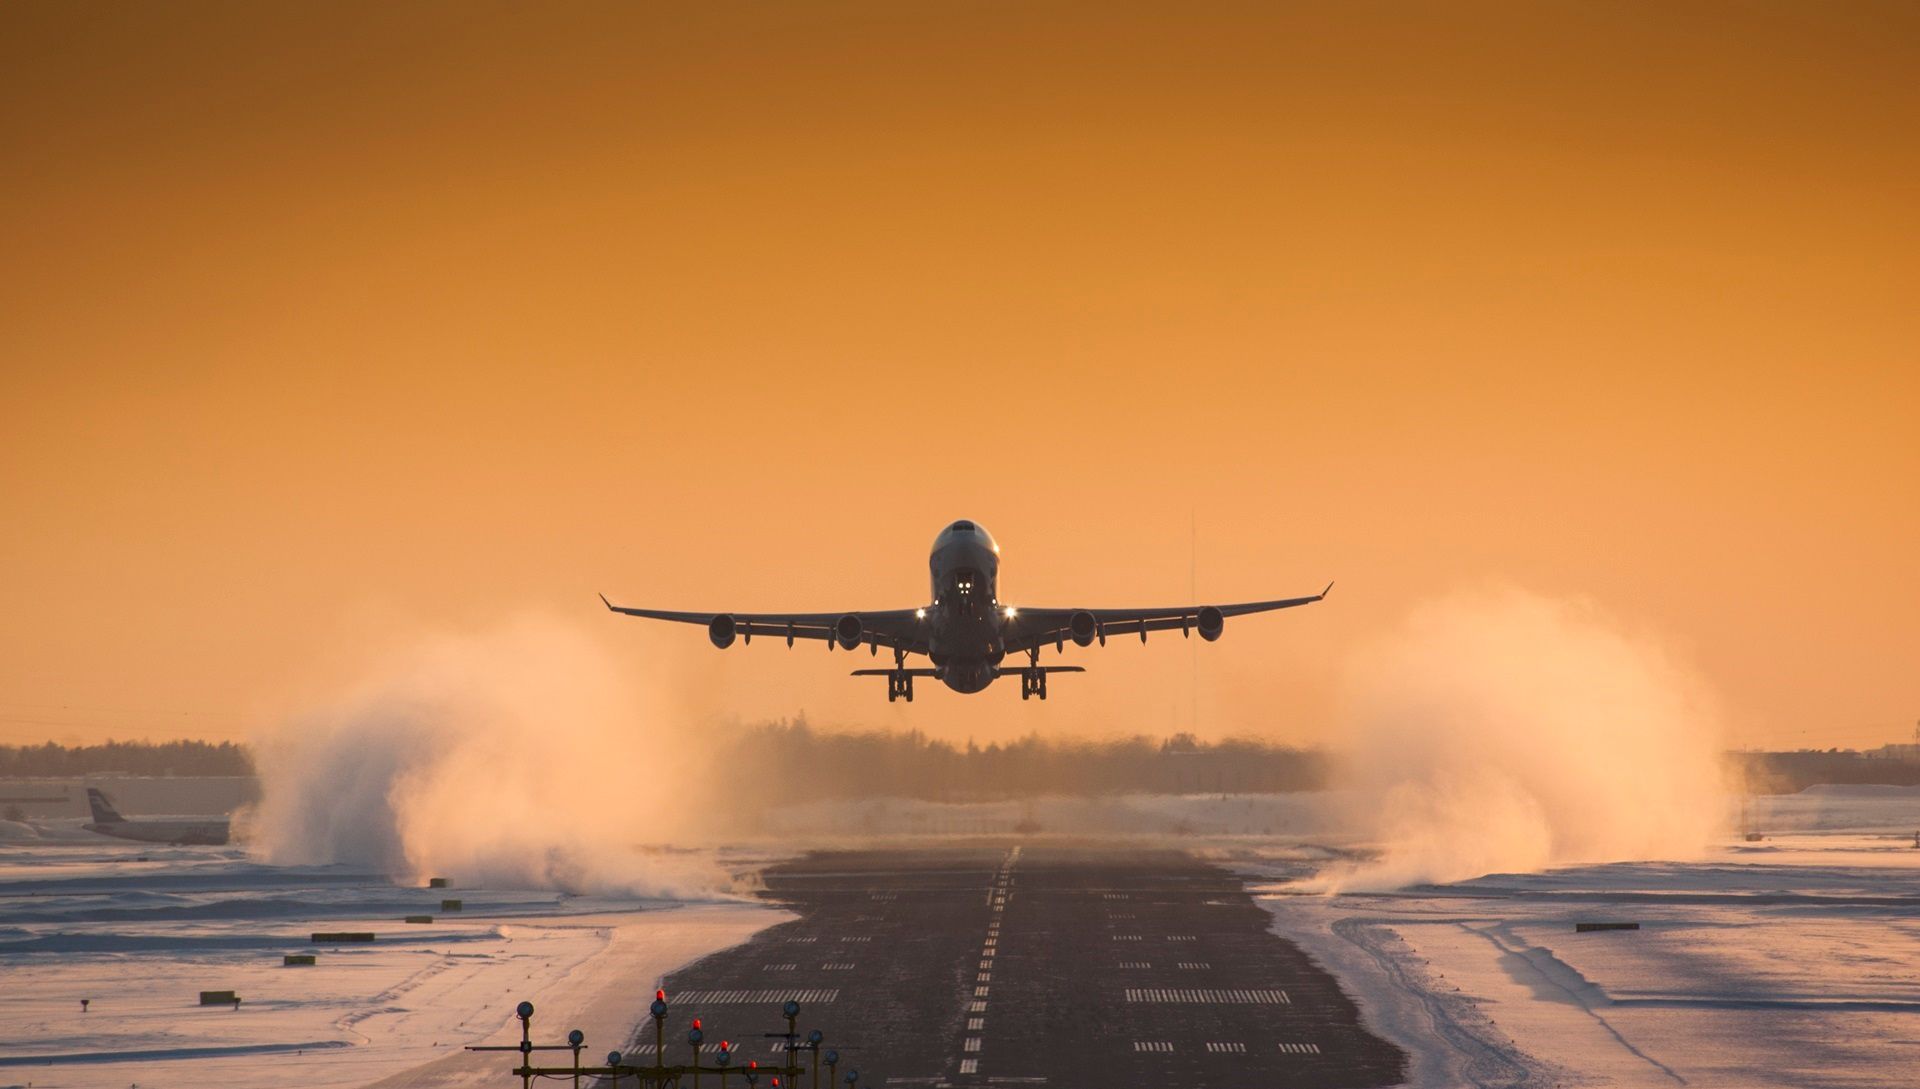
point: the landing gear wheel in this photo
(1033, 683)
(899, 686)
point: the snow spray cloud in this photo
(518, 757)
(1499, 731)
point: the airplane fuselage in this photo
(966, 622)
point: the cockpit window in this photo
(962, 527)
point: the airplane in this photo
(966, 632)
(108, 821)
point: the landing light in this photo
(1012, 612)
(920, 614)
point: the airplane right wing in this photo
(895, 629)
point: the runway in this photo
(1033, 966)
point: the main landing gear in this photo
(899, 686)
(1033, 683)
(899, 682)
(1033, 680)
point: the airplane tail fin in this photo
(103, 810)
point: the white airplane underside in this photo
(966, 632)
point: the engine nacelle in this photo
(847, 631)
(1210, 623)
(721, 630)
(1082, 627)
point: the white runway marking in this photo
(863, 938)
(1126, 937)
(1301, 1049)
(1190, 964)
(979, 992)
(969, 1066)
(1181, 938)
(837, 966)
(738, 997)
(973, 1043)
(1135, 964)
(779, 967)
(801, 941)
(1208, 995)
(1152, 1045)
(975, 1024)
(977, 1007)
(1227, 1049)
(983, 977)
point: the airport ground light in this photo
(662, 1075)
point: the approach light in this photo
(815, 1037)
(524, 1010)
(833, 1058)
(791, 1009)
(613, 1058)
(576, 1037)
(659, 1008)
(694, 1036)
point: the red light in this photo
(696, 1022)
(661, 995)
(725, 1046)
(751, 1065)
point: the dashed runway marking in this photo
(975, 1024)
(1135, 964)
(1126, 937)
(1191, 964)
(740, 997)
(969, 1066)
(1301, 1049)
(973, 1043)
(1182, 938)
(979, 992)
(1152, 1045)
(1210, 995)
(976, 1007)
(779, 967)
(1226, 1048)
(837, 966)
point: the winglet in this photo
(608, 604)
(1327, 591)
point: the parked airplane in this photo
(108, 821)
(966, 631)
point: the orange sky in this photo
(324, 322)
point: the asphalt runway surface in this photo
(1056, 966)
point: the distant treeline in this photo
(160, 758)
(1792, 772)
(912, 765)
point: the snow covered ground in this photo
(140, 930)
(1792, 961)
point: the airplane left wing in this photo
(896, 629)
(1029, 628)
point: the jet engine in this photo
(1210, 622)
(720, 629)
(1082, 627)
(847, 631)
